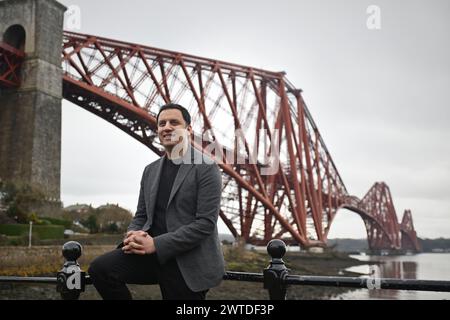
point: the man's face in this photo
(171, 126)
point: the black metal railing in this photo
(71, 280)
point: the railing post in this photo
(71, 280)
(275, 274)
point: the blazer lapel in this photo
(154, 186)
(181, 175)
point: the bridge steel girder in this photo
(10, 62)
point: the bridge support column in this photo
(30, 115)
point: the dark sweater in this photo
(168, 174)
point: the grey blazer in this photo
(191, 218)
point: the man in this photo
(172, 239)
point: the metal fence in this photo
(71, 281)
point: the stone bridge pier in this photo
(30, 115)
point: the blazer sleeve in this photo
(140, 217)
(185, 238)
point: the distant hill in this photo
(78, 207)
(348, 245)
(356, 245)
(106, 218)
(435, 245)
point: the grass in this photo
(42, 260)
(42, 231)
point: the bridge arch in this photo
(346, 225)
(15, 36)
(371, 225)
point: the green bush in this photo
(44, 222)
(43, 232)
(13, 229)
(59, 222)
(50, 232)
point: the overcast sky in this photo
(380, 97)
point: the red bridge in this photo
(125, 84)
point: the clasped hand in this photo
(138, 242)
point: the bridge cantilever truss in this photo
(384, 231)
(126, 83)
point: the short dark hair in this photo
(184, 112)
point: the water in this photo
(424, 266)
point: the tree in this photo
(112, 228)
(109, 215)
(91, 223)
(21, 199)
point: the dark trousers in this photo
(112, 271)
